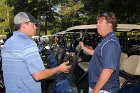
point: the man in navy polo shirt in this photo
(104, 65)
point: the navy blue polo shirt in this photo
(106, 55)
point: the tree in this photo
(61, 14)
(5, 17)
(36, 7)
(127, 11)
(68, 12)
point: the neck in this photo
(106, 32)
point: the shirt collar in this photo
(20, 33)
(109, 34)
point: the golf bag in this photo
(61, 82)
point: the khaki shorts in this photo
(101, 91)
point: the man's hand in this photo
(81, 45)
(87, 49)
(64, 67)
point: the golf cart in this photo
(129, 35)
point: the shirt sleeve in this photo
(110, 55)
(32, 58)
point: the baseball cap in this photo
(22, 17)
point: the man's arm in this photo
(105, 75)
(49, 72)
(87, 49)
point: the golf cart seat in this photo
(132, 65)
(130, 69)
(123, 57)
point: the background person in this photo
(21, 63)
(104, 64)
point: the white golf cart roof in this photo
(2, 37)
(92, 28)
(128, 27)
(60, 33)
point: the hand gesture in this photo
(64, 67)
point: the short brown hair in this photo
(17, 27)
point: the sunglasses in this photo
(34, 23)
(105, 14)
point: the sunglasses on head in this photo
(104, 14)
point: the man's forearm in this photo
(46, 73)
(88, 50)
(105, 75)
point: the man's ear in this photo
(110, 24)
(23, 26)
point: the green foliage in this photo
(127, 11)
(61, 14)
(5, 17)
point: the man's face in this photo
(102, 26)
(31, 29)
